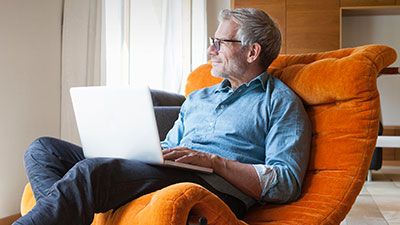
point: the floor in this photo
(379, 200)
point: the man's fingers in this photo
(179, 154)
(195, 159)
(167, 150)
(186, 158)
(177, 149)
(180, 148)
(172, 155)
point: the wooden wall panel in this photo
(275, 8)
(345, 3)
(312, 26)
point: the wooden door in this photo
(275, 8)
(312, 26)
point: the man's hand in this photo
(241, 175)
(190, 156)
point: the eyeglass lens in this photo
(215, 43)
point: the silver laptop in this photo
(119, 122)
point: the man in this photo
(251, 129)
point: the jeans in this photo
(69, 189)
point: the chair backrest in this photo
(339, 91)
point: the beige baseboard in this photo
(9, 219)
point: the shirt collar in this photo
(225, 85)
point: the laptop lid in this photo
(117, 122)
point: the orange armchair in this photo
(339, 91)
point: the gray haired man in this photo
(251, 129)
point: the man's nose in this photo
(211, 50)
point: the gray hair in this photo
(255, 26)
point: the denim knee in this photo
(39, 143)
(93, 167)
(36, 146)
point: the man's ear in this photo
(254, 52)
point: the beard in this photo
(219, 74)
(236, 68)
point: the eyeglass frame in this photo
(216, 42)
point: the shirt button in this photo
(222, 106)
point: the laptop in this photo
(119, 122)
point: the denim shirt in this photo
(262, 123)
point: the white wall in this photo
(378, 29)
(213, 8)
(30, 48)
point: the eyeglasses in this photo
(216, 42)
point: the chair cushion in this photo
(163, 98)
(165, 117)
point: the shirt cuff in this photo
(164, 145)
(267, 177)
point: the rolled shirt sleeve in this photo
(287, 148)
(267, 177)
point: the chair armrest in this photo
(174, 204)
(163, 98)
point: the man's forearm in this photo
(243, 176)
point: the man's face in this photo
(230, 60)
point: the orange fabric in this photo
(28, 200)
(200, 78)
(340, 94)
(170, 205)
